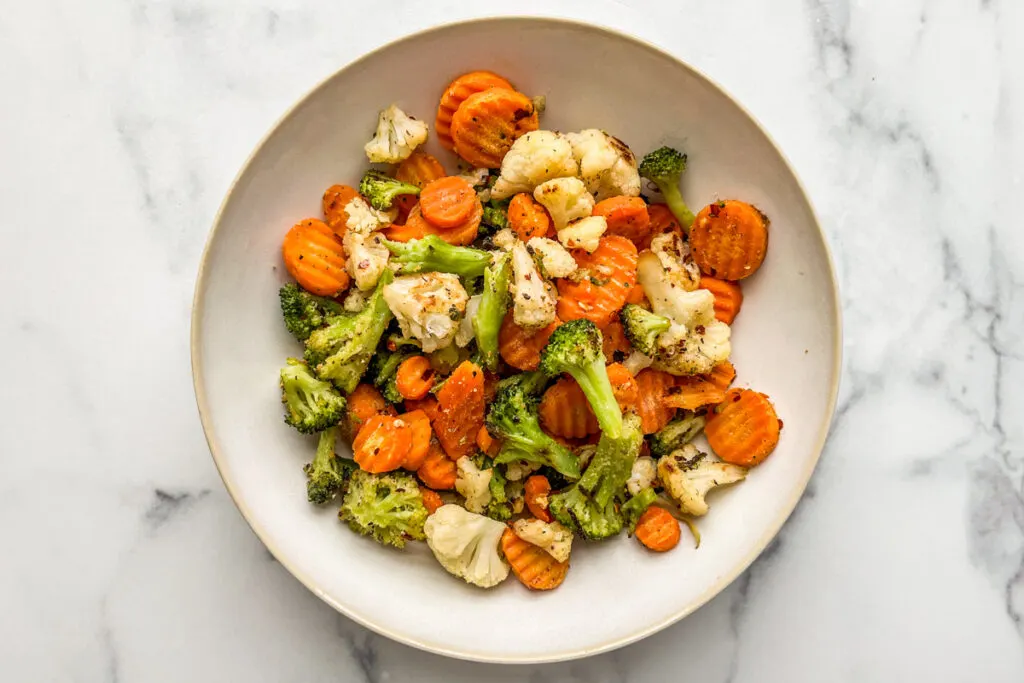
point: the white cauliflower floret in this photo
(636, 361)
(428, 306)
(474, 484)
(555, 261)
(688, 475)
(466, 544)
(515, 492)
(674, 255)
(398, 134)
(645, 472)
(552, 538)
(475, 176)
(364, 219)
(356, 300)
(367, 258)
(584, 233)
(566, 200)
(533, 303)
(517, 470)
(466, 333)
(504, 239)
(607, 165)
(534, 158)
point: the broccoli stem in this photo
(431, 254)
(676, 204)
(491, 313)
(593, 380)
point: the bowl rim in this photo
(727, 577)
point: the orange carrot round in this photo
(616, 345)
(419, 169)
(419, 423)
(414, 378)
(652, 389)
(611, 274)
(456, 93)
(729, 239)
(527, 217)
(431, 499)
(462, 234)
(535, 492)
(624, 386)
(438, 471)
(722, 375)
(692, 392)
(662, 220)
(336, 198)
(626, 217)
(657, 529)
(428, 404)
(743, 429)
(520, 347)
(487, 443)
(363, 403)
(728, 297)
(407, 231)
(382, 444)
(636, 295)
(460, 413)
(533, 566)
(487, 123)
(314, 256)
(564, 410)
(447, 202)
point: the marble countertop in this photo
(124, 559)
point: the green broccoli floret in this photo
(635, 506)
(664, 167)
(311, 405)
(575, 347)
(383, 370)
(388, 507)
(495, 217)
(341, 351)
(493, 306)
(327, 473)
(643, 328)
(512, 418)
(381, 189)
(676, 434)
(589, 505)
(499, 507)
(431, 254)
(304, 312)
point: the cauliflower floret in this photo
(367, 258)
(355, 300)
(474, 484)
(688, 475)
(566, 200)
(364, 219)
(555, 261)
(607, 166)
(533, 303)
(515, 492)
(674, 255)
(584, 233)
(428, 306)
(645, 471)
(398, 134)
(466, 332)
(466, 544)
(517, 470)
(636, 361)
(504, 239)
(693, 351)
(534, 158)
(475, 176)
(552, 538)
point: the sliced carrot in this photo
(616, 345)
(626, 217)
(535, 491)
(693, 392)
(728, 297)
(419, 423)
(431, 499)
(564, 410)
(407, 231)
(414, 378)
(382, 444)
(636, 294)
(624, 386)
(532, 565)
(729, 239)
(611, 273)
(743, 429)
(662, 221)
(520, 347)
(487, 123)
(653, 386)
(314, 256)
(456, 93)
(722, 375)
(487, 443)
(438, 470)
(460, 235)
(363, 403)
(527, 217)
(460, 412)
(447, 202)
(336, 198)
(427, 404)
(657, 529)
(419, 169)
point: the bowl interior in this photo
(786, 339)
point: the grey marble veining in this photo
(123, 557)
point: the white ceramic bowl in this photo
(786, 341)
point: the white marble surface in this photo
(123, 124)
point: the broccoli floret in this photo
(499, 507)
(635, 506)
(341, 351)
(381, 189)
(643, 328)
(512, 417)
(575, 347)
(589, 505)
(304, 312)
(493, 306)
(327, 473)
(676, 434)
(664, 167)
(495, 217)
(311, 405)
(388, 507)
(383, 370)
(431, 254)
